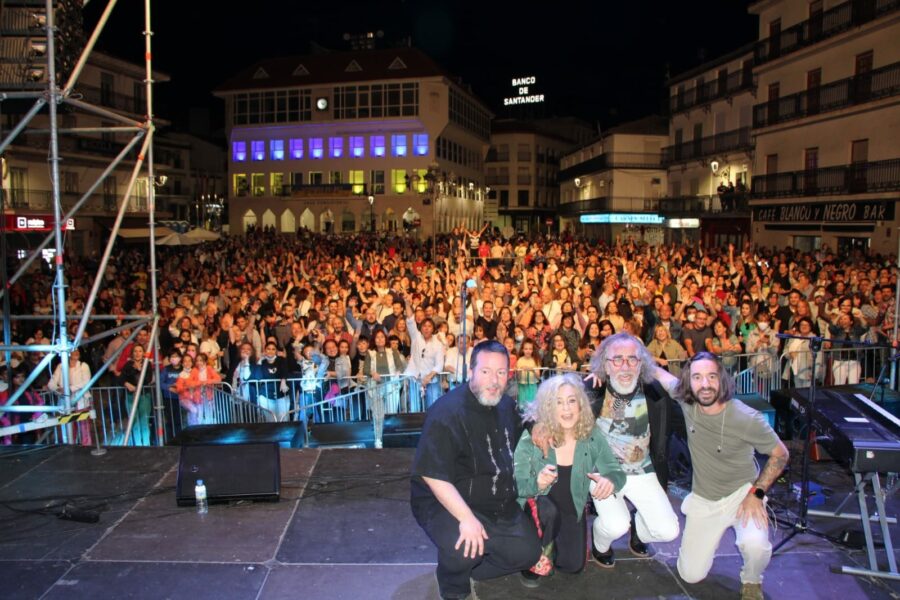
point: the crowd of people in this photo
(344, 309)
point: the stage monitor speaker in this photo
(402, 430)
(347, 434)
(230, 472)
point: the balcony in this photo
(614, 204)
(857, 178)
(722, 87)
(699, 205)
(109, 99)
(728, 141)
(879, 83)
(822, 26)
(43, 200)
(614, 160)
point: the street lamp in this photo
(372, 213)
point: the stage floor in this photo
(342, 530)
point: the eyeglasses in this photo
(618, 361)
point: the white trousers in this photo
(279, 406)
(845, 371)
(655, 520)
(706, 523)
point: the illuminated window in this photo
(276, 149)
(316, 148)
(276, 184)
(357, 146)
(335, 147)
(296, 148)
(398, 144)
(258, 184)
(399, 180)
(358, 180)
(241, 187)
(376, 142)
(422, 183)
(239, 151)
(258, 150)
(420, 144)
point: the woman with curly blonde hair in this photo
(554, 489)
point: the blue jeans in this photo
(432, 393)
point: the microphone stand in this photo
(801, 525)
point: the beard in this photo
(706, 403)
(487, 396)
(624, 388)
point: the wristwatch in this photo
(757, 491)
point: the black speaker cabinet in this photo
(230, 472)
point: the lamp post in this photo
(372, 214)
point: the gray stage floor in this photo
(342, 529)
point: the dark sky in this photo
(603, 60)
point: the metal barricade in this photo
(835, 366)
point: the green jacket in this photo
(592, 455)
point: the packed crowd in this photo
(346, 308)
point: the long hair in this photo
(685, 393)
(542, 409)
(601, 354)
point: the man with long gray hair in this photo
(633, 411)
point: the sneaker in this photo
(607, 559)
(637, 547)
(529, 579)
(751, 591)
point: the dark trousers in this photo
(512, 546)
(566, 530)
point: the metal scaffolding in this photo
(49, 97)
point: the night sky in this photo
(604, 60)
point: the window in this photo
(377, 100)
(276, 183)
(357, 146)
(377, 179)
(315, 178)
(239, 151)
(296, 179)
(357, 179)
(335, 147)
(316, 148)
(523, 197)
(376, 143)
(420, 144)
(278, 106)
(241, 187)
(398, 144)
(258, 184)
(276, 149)
(296, 148)
(421, 184)
(504, 198)
(523, 153)
(258, 150)
(399, 180)
(70, 182)
(335, 177)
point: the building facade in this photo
(522, 170)
(826, 124)
(613, 185)
(355, 141)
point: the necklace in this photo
(620, 401)
(721, 430)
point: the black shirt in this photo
(561, 492)
(472, 447)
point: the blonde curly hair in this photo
(543, 409)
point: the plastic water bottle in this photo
(200, 495)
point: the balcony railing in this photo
(698, 205)
(713, 90)
(879, 83)
(738, 139)
(110, 99)
(822, 26)
(43, 200)
(857, 178)
(614, 204)
(614, 160)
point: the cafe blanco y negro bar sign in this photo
(827, 212)
(524, 92)
(35, 223)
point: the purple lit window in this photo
(376, 142)
(336, 147)
(357, 146)
(398, 143)
(239, 151)
(316, 148)
(296, 147)
(420, 144)
(276, 149)
(258, 150)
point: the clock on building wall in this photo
(321, 103)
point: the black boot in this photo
(637, 547)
